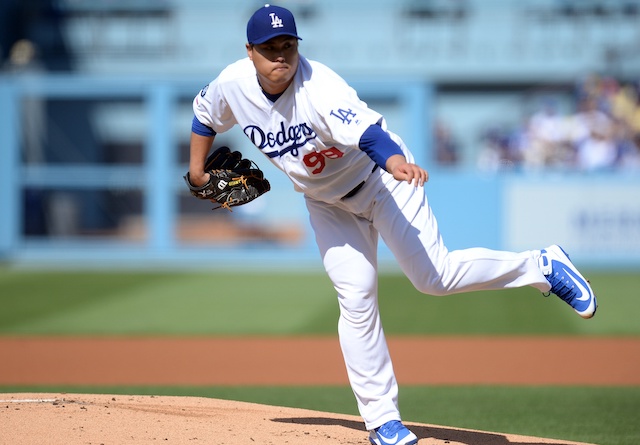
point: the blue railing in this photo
(158, 178)
(596, 216)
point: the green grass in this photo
(189, 304)
(179, 303)
(164, 303)
(605, 416)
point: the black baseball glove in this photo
(233, 181)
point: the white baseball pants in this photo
(347, 236)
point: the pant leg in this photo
(348, 245)
(408, 227)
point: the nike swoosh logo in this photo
(585, 294)
(391, 441)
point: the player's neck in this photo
(270, 94)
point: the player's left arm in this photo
(402, 170)
(385, 152)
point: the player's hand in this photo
(402, 170)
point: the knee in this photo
(357, 304)
(358, 310)
(357, 290)
(437, 282)
(431, 277)
(436, 288)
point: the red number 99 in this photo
(317, 160)
(314, 160)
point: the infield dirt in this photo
(36, 419)
(84, 419)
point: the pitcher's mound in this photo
(80, 419)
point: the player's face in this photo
(276, 62)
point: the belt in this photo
(357, 188)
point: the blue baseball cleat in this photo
(392, 433)
(566, 282)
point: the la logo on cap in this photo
(269, 22)
(276, 22)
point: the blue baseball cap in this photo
(269, 22)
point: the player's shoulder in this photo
(237, 70)
(318, 69)
(319, 76)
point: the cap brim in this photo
(271, 36)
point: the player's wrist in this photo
(198, 179)
(394, 161)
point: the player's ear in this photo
(249, 50)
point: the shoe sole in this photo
(383, 442)
(413, 442)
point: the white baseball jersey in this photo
(311, 136)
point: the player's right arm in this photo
(199, 149)
(206, 105)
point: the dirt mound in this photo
(81, 419)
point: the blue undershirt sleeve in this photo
(199, 128)
(376, 143)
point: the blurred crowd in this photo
(601, 133)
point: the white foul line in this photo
(28, 401)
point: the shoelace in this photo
(561, 289)
(391, 428)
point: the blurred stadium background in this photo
(525, 112)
